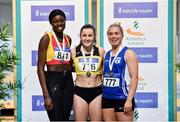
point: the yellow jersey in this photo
(83, 65)
(54, 55)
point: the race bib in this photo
(88, 66)
(65, 56)
(111, 82)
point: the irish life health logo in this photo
(135, 9)
(41, 12)
(37, 103)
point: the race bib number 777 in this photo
(111, 82)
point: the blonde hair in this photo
(117, 24)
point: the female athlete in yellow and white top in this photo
(88, 62)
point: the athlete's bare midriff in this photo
(92, 81)
(59, 67)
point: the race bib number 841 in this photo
(59, 55)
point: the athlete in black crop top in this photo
(95, 53)
(88, 89)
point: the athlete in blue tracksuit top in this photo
(120, 78)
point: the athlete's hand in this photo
(48, 104)
(128, 107)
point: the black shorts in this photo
(88, 94)
(118, 105)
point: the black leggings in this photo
(60, 86)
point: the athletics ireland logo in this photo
(134, 31)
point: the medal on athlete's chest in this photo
(62, 60)
(88, 74)
(61, 49)
(112, 60)
(88, 62)
(62, 57)
(110, 73)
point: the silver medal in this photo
(62, 60)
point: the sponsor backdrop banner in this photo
(34, 23)
(145, 24)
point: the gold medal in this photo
(88, 74)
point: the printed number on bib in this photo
(111, 82)
(62, 55)
(88, 67)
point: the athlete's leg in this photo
(124, 117)
(54, 85)
(109, 114)
(68, 96)
(120, 114)
(80, 107)
(108, 110)
(95, 110)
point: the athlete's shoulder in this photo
(130, 51)
(73, 52)
(108, 52)
(45, 39)
(130, 54)
(101, 51)
(68, 36)
(68, 39)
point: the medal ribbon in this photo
(111, 63)
(63, 46)
(90, 60)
